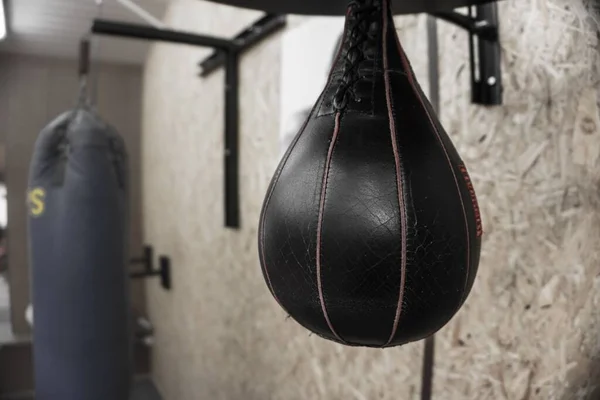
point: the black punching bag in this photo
(370, 232)
(78, 238)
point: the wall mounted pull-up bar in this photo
(227, 53)
(482, 24)
(136, 31)
(249, 37)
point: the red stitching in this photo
(478, 223)
(412, 83)
(286, 156)
(398, 176)
(320, 224)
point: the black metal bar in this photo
(487, 90)
(484, 49)
(135, 31)
(482, 29)
(147, 259)
(231, 49)
(84, 57)
(455, 18)
(232, 208)
(165, 272)
(245, 40)
(473, 61)
(434, 67)
(434, 98)
(428, 364)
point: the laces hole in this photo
(339, 104)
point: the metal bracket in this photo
(246, 39)
(147, 260)
(484, 46)
(228, 53)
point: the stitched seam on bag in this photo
(315, 111)
(401, 203)
(411, 80)
(471, 189)
(334, 141)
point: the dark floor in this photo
(16, 371)
(144, 390)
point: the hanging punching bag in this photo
(78, 250)
(370, 231)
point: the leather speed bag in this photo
(78, 251)
(370, 232)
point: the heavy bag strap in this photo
(84, 69)
(58, 177)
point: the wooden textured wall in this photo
(32, 92)
(529, 329)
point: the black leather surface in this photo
(370, 232)
(337, 7)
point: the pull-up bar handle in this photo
(135, 31)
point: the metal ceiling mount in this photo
(227, 53)
(481, 23)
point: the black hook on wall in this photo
(147, 260)
(481, 23)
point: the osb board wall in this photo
(530, 328)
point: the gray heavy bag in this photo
(78, 250)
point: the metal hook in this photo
(84, 69)
(84, 56)
(90, 99)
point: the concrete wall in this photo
(528, 330)
(32, 92)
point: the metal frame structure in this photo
(427, 369)
(481, 23)
(147, 260)
(227, 52)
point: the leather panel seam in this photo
(434, 127)
(397, 161)
(334, 140)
